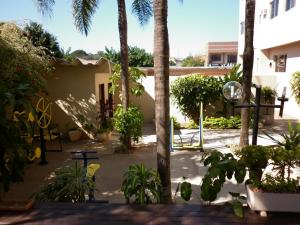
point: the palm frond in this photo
(82, 12)
(143, 10)
(45, 6)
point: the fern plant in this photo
(141, 185)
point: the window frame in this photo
(274, 8)
(290, 4)
(280, 67)
(215, 60)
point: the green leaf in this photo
(186, 190)
(238, 209)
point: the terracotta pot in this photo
(102, 136)
(74, 135)
(273, 202)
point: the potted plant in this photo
(74, 134)
(268, 95)
(276, 190)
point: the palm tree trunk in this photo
(162, 108)
(124, 52)
(247, 70)
(124, 58)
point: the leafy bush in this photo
(276, 184)
(141, 185)
(189, 92)
(128, 123)
(23, 69)
(255, 158)
(296, 86)
(232, 122)
(68, 185)
(220, 167)
(268, 94)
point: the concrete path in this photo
(109, 178)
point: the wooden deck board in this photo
(115, 214)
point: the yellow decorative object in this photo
(31, 117)
(17, 114)
(37, 152)
(46, 111)
(91, 169)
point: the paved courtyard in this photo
(113, 166)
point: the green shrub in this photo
(141, 185)
(189, 92)
(268, 94)
(23, 69)
(232, 122)
(67, 186)
(296, 86)
(128, 124)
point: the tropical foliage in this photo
(23, 68)
(141, 185)
(67, 185)
(135, 77)
(296, 86)
(43, 39)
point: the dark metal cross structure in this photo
(257, 105)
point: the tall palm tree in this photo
(83, 11)
(162, 110)
(247, 69)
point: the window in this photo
(242, 27)
(280, 63)
(231, 58)
(290, 4)
(274, 8)
(215, 57)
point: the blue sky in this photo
(191, 24)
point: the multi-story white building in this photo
(276, 44)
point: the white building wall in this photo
(277, 36)
(149, 85)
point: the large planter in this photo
(273, 202)
(74, 135)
